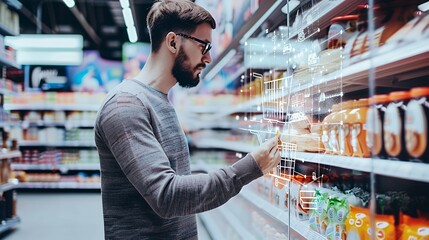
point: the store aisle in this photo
(50, 216)
(53, 216)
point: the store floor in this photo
(53, 216)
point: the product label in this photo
(356, 129)
(392, 130)
(416, 129)
(343, 134)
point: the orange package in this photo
(357, 223)
(415, 229)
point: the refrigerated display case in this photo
(345, 85)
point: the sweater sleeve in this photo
(129, 135)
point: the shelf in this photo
(322, 13)
(51, 107)
(222, 144)
(211, 225)
(7, 187)
(6, 31)
(60, 167)
(9, 155)
(58, 185)
(398, 169)
(71, 124)
(251, 25)
(389, 62)
(7, 92)
(8, 63)
(235, 223)
(301, 227)
(56, 144)
(9, 224)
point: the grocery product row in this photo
(335, 205)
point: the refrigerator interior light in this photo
(424, 6)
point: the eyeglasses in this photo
(207, 45)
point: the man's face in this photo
(190, 60)
(185, 74)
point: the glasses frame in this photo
(207, 45)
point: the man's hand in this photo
(267, 155)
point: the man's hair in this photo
(179, 16)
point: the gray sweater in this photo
(147, 188)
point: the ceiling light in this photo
(45, 41)
(132, 34)
(128, 17)
(69, 3)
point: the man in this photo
(147, 187)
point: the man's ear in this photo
(170, 41)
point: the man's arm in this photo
(129, 135)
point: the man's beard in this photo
(183, 72)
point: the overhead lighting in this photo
(260, 21)
(424, 7)
(69, 3)
(210, 75)
(132, 34)
(128, 17)
(124, 3)
(45, 41)
(55, 49)
(58, 57)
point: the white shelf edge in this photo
(222, 144)
(301, 227)
(7, 187)
(4, 91)
(58, 185)
(11, 154)
(51, 107)
(56, 144)
(61, 167)
(398, 169)
(9, 223)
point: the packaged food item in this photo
(357, 119)
(414, 229)
(338, 210)
(374, 122)
(357, 223)
(328, 130)
(416, 121)
(385, 228)
(394, 137)
(342, 129)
